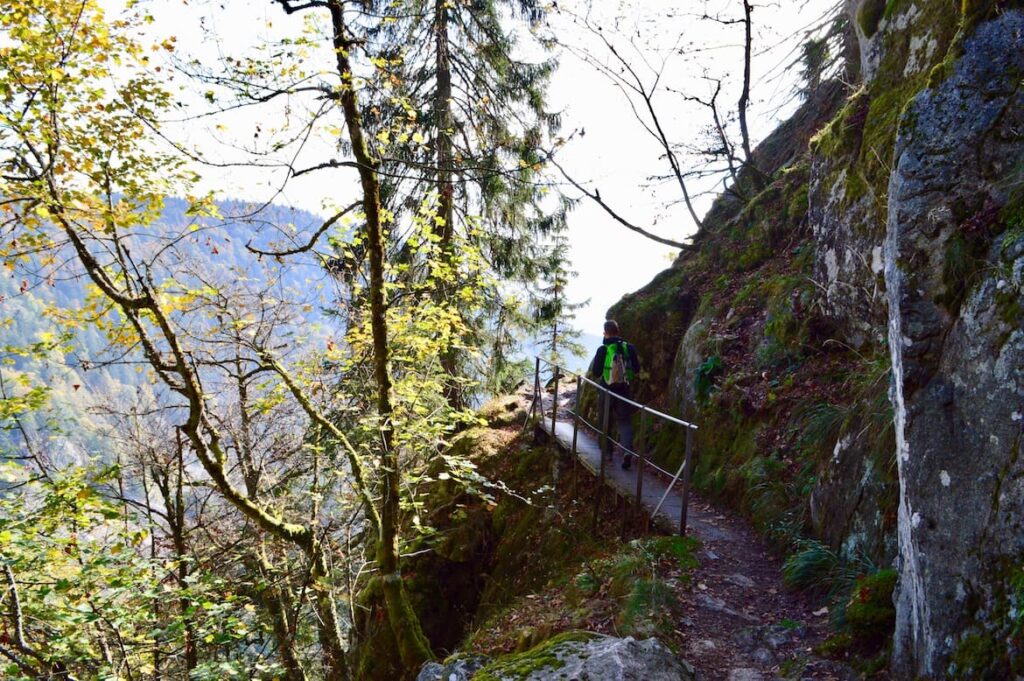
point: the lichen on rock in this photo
(583, 655)
(958, 362)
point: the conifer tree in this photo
(552, 310)
(484, 120)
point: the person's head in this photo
(611, 328)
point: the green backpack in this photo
(616, 366)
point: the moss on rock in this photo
(869, 15)
(870, 612)
(540, 658)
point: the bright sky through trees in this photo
(613, 153)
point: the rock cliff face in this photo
(954, 270)
(851, 335)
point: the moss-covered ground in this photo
(511, 555)
(557, 570)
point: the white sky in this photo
(616, 155)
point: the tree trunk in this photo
(331, 639)
(277, 602)
(445, 168)
(413, 647)
(443, 113)
(748, 154)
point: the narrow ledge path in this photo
(741, 623)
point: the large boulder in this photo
(456, 668)
(954, 262)
(574, 656)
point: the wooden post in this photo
(554, 404)
(575, 430)
(641, 452)
(536, 386)
(605, 445)
(687, 469)
(605, 426)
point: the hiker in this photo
(616, 364)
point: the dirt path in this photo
(741, 622)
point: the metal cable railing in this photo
(603, 432)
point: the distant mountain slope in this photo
(77, 369)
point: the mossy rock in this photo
(584, 655)
(870, 15)
(870, 612)
(542, 657)
(504, 411)
(980, 656)
(843, 133)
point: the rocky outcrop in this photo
(899, 43)
(954, 258)
(889, 257)
(457, 668)
(569, 657)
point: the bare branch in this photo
(330, 222)
(595, 196)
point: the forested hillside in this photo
(223, 417)
(243, 441)
(84, 382)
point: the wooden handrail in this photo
(685, 467)
(597, 385)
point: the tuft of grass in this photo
(814, 566)
(820, 423)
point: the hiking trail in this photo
(741, 622)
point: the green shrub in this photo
(870, 613)
(703, 380)
(814, 566)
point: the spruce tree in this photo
(481, 120)
(553, 312)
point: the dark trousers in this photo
(620, 415)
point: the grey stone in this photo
(762, 643)
(745, 674)
(697, 648)
(817, 669)
(958, 367)
(740, 580)
(456, 668)
(719, 605)
(606, 658)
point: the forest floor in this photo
(732, 618)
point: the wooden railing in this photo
(603, 431)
